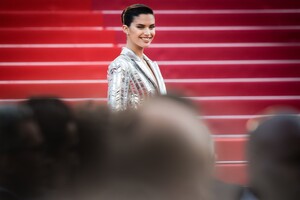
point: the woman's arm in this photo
(118, 85)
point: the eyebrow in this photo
(144, 25)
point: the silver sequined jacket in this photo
(130, 81)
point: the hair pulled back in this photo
(132, 11)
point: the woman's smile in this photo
(140, 33)
(146, 39)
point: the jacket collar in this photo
(157, 80)
(141, 65)
(128, 52)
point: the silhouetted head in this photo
(93, 123)
(274, 158)
(164, 148)
(56, 121)
(21, 152)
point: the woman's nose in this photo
(147, 31)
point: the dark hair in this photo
(54, 118)
(273, 152)
(11, 118)
(133, 11)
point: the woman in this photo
(132, 76)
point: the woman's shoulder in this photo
(120, 62)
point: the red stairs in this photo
(235, 58)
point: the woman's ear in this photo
(125, 29)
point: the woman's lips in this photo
(146, 39)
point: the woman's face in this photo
(141, 31)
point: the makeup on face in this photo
(141, 31)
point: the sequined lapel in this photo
(156, 71)
(142, 67)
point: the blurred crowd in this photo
(50, 150)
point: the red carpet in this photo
(234, 58)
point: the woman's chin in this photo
(146, 45)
